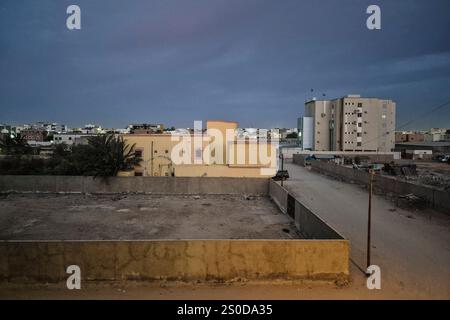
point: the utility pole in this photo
(369, 220)
(151, 159)
(282, 167)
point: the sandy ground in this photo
(128, 217)
(412, 247)
(213, 291)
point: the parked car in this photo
(281, 174)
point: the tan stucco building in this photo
(214, 152)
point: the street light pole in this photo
(369, 220)
(282, 167)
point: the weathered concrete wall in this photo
(288, 153)
(224, 171)
(307, 222)
(279, 195)
(364, 157)
(299, 159)
(46, 261)
(436, 198)
(154, 185)
(312, 226)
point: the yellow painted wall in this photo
(158, 162)
(219, 171)
(212, 163)
(25, 261)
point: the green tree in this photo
(104, 156)
(292, 135)
(49, 137)
(14, 145)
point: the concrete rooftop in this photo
(130, 217)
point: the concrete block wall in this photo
(299, 159)
(288, 153)
(378, 158)
(153, 185)
(436, 198)
(184, 260)
(309, 224)
(279, 195)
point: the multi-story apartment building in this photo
(350, 123)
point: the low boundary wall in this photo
(279, 195)
(307, 222)
(371, 157)
(436, 198)
(152, 185)
(299, 159)
(184, 260)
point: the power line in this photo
(425, 114)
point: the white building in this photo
(71, 138)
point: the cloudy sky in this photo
(253, 61)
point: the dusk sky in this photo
(252, 61)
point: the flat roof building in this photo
(214, 152)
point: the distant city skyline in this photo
(253, 62)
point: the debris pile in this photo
(400, 169)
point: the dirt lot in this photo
(433, 173)
(128, 217)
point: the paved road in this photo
(411, 247)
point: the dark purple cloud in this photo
(247, 60)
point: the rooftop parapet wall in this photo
(310, 225)
(184, 260)
(325, 256)
(151, 185)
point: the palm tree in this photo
(107, 154)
